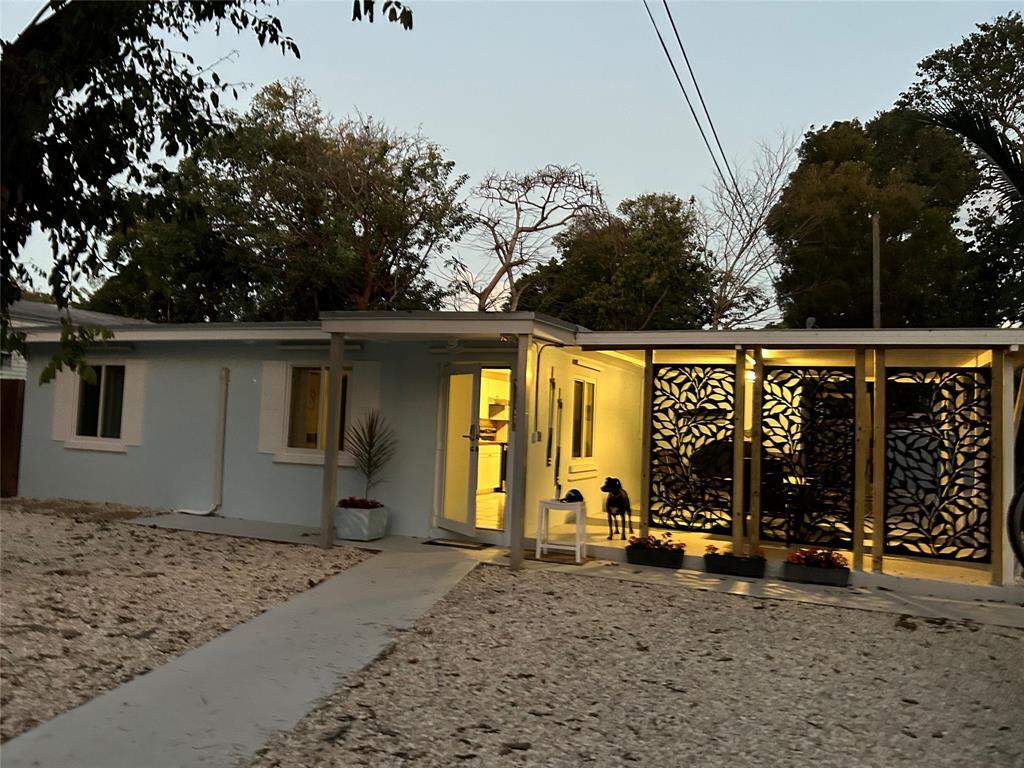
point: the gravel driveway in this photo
(89, 602)
(548, 669)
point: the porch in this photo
(893, 446)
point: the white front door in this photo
(460, 450)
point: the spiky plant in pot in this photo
(372, 443)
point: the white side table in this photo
(579, 545)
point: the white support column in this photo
(329, 489)
(739, 452)
(645, 442)
(515, 512)
(754, 530)
(861, 451)
(878, 465)
(1002, 466)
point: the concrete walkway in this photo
(223, 700)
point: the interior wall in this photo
(618, 436)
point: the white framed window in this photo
(101, 403)
(103, 414)
(293, 407)
(307, 408)
(583, 398)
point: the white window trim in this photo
(584, 464)
(287, 454)
(105, 444)
(76, 442)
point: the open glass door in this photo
(461, 452)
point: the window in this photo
(307, 410)
(100, 403)
(582, 419)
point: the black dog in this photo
(617, 506)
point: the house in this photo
(25, 315)
(896, 444)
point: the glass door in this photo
(461, 448)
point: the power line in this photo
(693, 77)
(686, 96)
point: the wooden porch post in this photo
(645, 457)
(329, 489)
(862, 443)
(754, 533)
(999, 474)
(878, 465)
(738, 449)
(516, 510)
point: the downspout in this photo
(218, 452)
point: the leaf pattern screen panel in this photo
(691, 447)
(808, 424)
(938, 463)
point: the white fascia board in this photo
(791, 338)
(439, 327)
(198, 333)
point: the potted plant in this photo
(731, 564)
(811, 565)
(653, 550)
(372, 444)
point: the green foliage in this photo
(975, 89)
(93, 99)
(986, 68)
(70, 354)
(289, 213)
(917, 177)
(372, 444)
(640, 269)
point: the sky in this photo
(517, 85)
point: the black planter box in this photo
(832, 577)
(662, 558)
(750, 567)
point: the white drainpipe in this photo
(218, 458)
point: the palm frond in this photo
(973, 123)
(372, 444)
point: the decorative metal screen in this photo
(691, 447)
(807, 455)
(938, 463)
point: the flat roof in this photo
(424, 325)
(804, 337)
(26, 313)
(295, 331)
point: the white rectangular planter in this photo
(354, 524)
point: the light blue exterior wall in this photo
(173, 468)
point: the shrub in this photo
(655, 542)
(817, 558)
(755, 554)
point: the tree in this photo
(917, 177)
(735, 242)
(975, 89)
(289, 213)
(91, 99)
(985, 68)
(516, 218)
(641, 269)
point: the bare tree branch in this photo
(516, 218)
(735, 242)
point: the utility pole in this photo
(876, 273)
